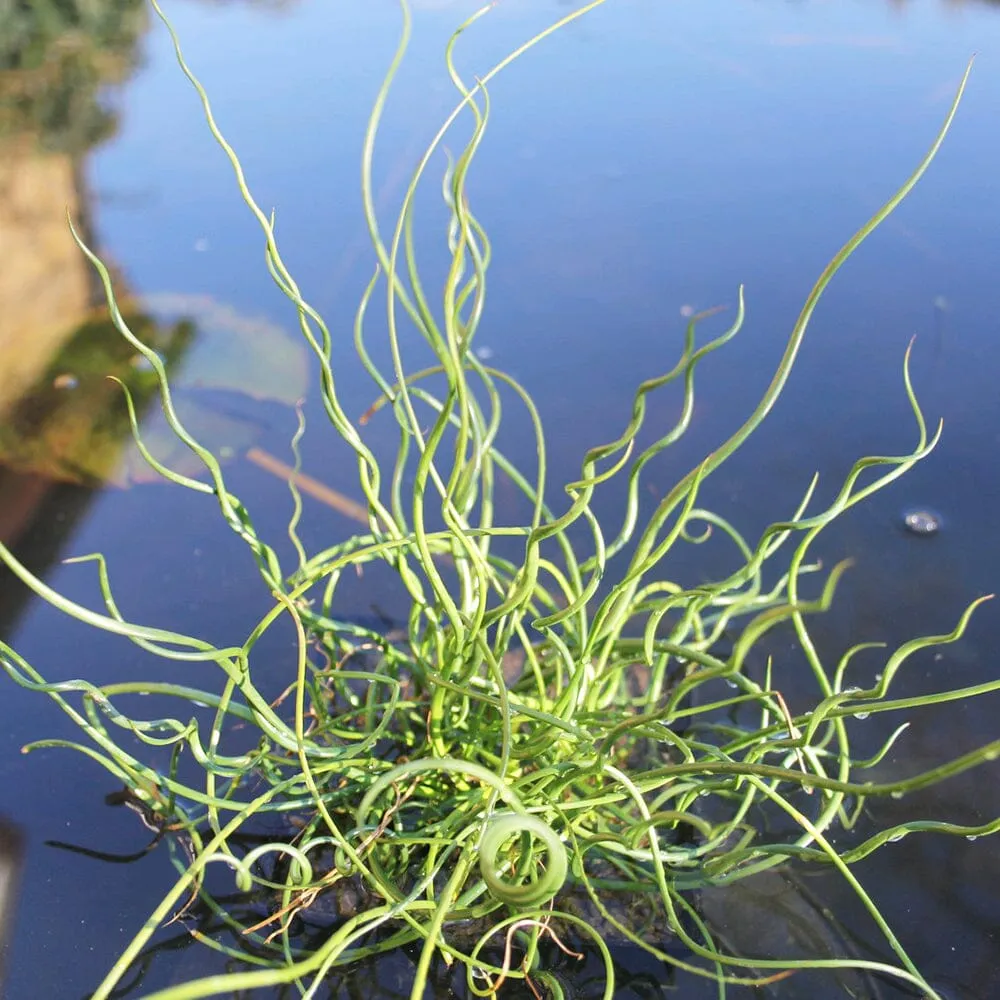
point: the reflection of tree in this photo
(73, 424)
(58, 56)
(59, 416)
(55, 58)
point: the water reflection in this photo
(56, 346)
(55, 64)
(61, 417)
(64, 426)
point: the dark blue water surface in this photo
(645, 161)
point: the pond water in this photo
(639, 165)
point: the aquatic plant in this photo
(544, 733)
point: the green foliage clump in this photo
(55, 56)
(545, 739)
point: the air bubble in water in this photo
(922, 522)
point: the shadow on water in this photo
(599, 215)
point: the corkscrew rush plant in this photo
(544, 733)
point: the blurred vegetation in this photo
(56, 57)
(59, 60)
(73, 425)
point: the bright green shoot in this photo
(542, 734)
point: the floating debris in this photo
(922, 522)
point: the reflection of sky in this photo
(668, 153)
(653, 156)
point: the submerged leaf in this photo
(238, 353)
(73, 423)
